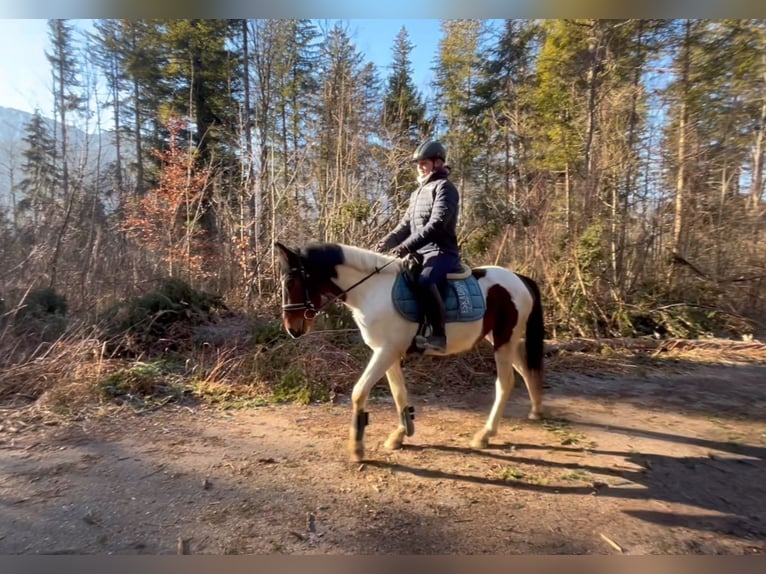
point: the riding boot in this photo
(433, 306)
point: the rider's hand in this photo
(400, 251)
(380, 246)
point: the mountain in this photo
(12, 130)
(12, 122)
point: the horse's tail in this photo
(535, 334)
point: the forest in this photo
(618, 162)
(153, 402)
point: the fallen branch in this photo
(611, 543)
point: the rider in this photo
(428, 228)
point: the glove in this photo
(380, 246)
(412, 263)
(400, 250)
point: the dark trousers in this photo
(431, 283)
(435, 269)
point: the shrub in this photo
(165, 313)
(40, 314)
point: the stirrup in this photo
(428, 343)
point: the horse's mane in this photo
(325, 256)
(366, 260)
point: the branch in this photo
(708, 307)
(677, 258)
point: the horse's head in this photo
(301, 299)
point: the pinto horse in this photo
(363, 280)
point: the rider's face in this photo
(425, 167)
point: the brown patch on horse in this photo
(535, 335)
(500, 317)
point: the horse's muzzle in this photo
(297, 325)
(295, 333)
(298, 320)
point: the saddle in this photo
(463, 299)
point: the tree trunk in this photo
(678, 218)
(756, 184)
(594, 53)
(140, 188)
(62, 104)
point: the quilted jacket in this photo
(429, 224)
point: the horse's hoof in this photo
(357, 452)
(393, 444)
(535, 416)
(479, 442)
(395, 439)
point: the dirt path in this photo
(643, 465)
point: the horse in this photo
(316, 274)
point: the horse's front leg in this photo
(380, 362)
(406, 413)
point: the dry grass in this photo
(618, 356)
(715, 350)
(69, 360)
(72, 377)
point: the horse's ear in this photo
(286, 255)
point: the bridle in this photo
(307, 305)
(310, 310)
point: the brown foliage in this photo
(167, 219)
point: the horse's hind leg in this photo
(533, 379)
(399, 392)
(380, 362)
(503, 388)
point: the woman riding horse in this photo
(428, 228)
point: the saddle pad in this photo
(463, 301)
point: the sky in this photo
(24, 70)
(26, 76)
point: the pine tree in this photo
(403, 108)
(109, 56)
(206, 80)
(404, 120)
(717, 107)
(457, 73)
(145, 59)
(66, 82)
(503, 114)
(346, 115)
(39, 173)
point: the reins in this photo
(310, 307)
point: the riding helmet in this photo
(430, 149)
